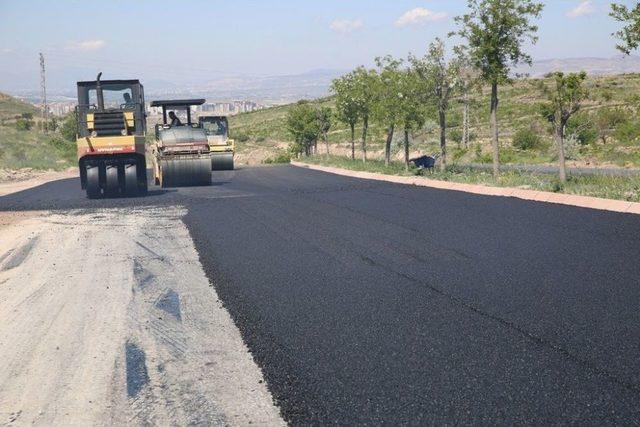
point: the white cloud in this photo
(344, 26)
(6, 50)
(584, 8)
(87, 45)
(420, 15)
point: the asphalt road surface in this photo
(369, 302)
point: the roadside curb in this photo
(533, 195)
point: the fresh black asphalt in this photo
(369, 302)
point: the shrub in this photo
(628, 132)
(23, 124)
(241, 137)
(526, 139)
(280, 158)
(582, 128)
(455, 135)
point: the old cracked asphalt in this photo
(369, 302)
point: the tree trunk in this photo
(561, 160)
(494, 129)
(443, 140)
(387, 145)
(365, 128)
(326, 141)
(406, 149)
(353, 142)
(465, 121)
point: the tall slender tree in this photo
(565, 99)
(389, 99)
(468, 81)
(437, 78)
(365, 95)
(496, 31)
(324, 115)
(413, 111)
(347, 105)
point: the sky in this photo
(193, 40)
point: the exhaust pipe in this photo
(99, 93)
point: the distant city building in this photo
(61, 108)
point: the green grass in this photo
(619, 188)
(519, 108)
(30, 148)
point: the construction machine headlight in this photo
(124, 132)
(94, 133)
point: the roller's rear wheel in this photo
(112, 185)
(93, 182)
(131, 186)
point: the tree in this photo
(496, 31)
(389, 100)
(629, 35)
(468, 81)
(412, 116)
(365, 95)
(68, 129)
(324, 116)
(437, 78)
(302, 124)
(347, 105)
(565, 99)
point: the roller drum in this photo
(222, 162)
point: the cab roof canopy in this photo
(123, 83)
(177, 103)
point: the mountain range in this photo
(312, 84)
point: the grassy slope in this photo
(29, 149)
(518, 108)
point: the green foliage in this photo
(455, 135)
(23, 124)
(627, 132)
(629, 35)
(496, 31)
(347, 102)
(582, 127)
(304, 126)
(607, 119)
(280, 158)
(526, 139)
(69, 127)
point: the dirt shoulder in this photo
(99, 327)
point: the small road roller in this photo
(222, 147)
(110, 137)
(181, 153)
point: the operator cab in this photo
(111, 108)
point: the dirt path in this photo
(107, 318)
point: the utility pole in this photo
(43, 95)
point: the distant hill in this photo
(10, 107)
(594, 66)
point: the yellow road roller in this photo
(181, 153)
(222, 147)
(110, 138)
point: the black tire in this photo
(93, 182)
(131, 185)
(112, 184)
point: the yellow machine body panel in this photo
(101, 145)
